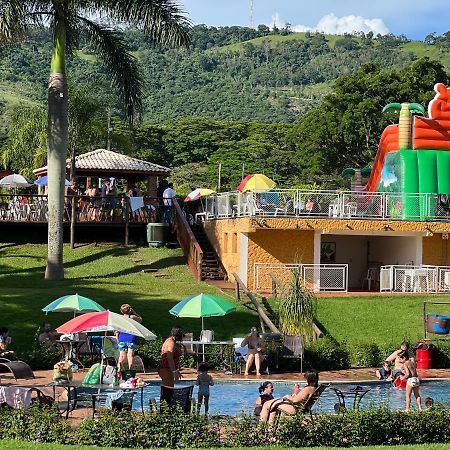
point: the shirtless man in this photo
(411, 378)
(398, 366)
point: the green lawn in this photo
(112, 275)
(16, 445)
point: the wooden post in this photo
(238, 291)
(127, 221)
(72, 221)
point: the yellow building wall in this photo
(279, 246)
(435, 250)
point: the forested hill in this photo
(229, 73)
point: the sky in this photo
(414, 18)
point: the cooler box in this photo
(158, 234)
(423, 355)
(438, 324)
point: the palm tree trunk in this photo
(57, 153)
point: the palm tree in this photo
(406, 111)
(162, 20)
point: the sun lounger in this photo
(20, 369)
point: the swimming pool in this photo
(237, 397)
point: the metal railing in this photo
(329, 204)
(316, 277)
(409, 278)
(34, 208)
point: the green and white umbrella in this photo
(73, 303)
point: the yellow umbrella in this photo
(256, 182)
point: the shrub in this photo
(326, 354)
(41, 357)
(441, 355)
(363, 354)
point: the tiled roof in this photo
(102, 159)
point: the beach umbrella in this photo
(105, 321)
(256, 182)
(73, 303)
(15, 181)
(197, 193)
(202, 305)
(43, 181)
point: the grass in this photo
(17, 445)
(111, 275)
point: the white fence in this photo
(316, 277)
(332, 204)
(415, 278)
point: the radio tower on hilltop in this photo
(251, 14)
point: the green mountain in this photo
(229, 73)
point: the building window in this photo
(234, 243)
(225, 242)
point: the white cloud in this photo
(331, 24)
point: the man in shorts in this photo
(411, 378)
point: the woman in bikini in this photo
(255, 348)
(171, 351)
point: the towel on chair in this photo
(136, 203)
(16, 397)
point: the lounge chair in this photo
(293, 348)
(178, 397)
(20, 369)
(302, 407)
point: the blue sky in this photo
(414, 18)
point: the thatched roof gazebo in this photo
(103, 163)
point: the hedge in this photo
(173, 429)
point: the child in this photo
(412, 380)
(204, 381)
(385, 373)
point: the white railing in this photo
(316, 277)
(330, 204)
(410, 278)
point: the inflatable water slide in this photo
(414, 156)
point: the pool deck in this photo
(44, 377)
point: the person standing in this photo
(127, 342)
(255, 348)
(204, 381)
(411, 378)
(169, 364)
(168, 195)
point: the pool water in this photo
(237, 397)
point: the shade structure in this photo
(43, 181)
(256, 182)
(73, 303)
(15, 181)
(202, 305)
(198, 193)
(105, 321)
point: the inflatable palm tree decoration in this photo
(406, 111)
(162, 21)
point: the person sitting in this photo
(287, 403)
(5, 340)
(47, 337)
(255, 349)
(398, 366)
(265, 394)
(385, 372)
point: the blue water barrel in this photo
(438, 324)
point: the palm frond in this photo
(12, 20)
(164, 21)
(121, 64)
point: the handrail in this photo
(191, 248)
(259, 310)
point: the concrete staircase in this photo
(210, 267)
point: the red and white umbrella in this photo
(105, 321)
(197, 193)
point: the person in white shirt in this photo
(168, 195)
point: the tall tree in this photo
(162, 20)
